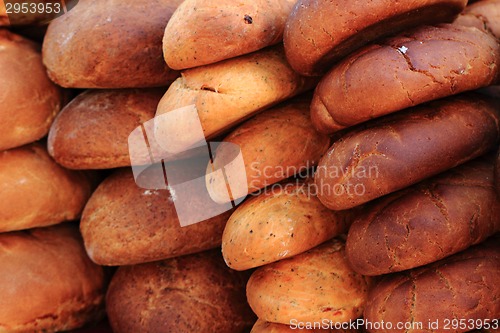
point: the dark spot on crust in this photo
(248, 19)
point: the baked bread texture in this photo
(124, 224)
(49, 284)
(28, 106)
(92, 131)
(196, 293)
(275, 144)
(279, 223)
(320, 33)
(484, 14)
(105, 44)
(224, 94)
(427, 222)
(463, 287)
(395, 152)
(36, 191)
(414, 67)
(202, 32)
(310, 287)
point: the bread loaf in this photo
(275, 145)
(454, 293)
(100, 44)
(226, 93)
(310, 287)
(418, 66)
(202, 32)
(484, 14)
(36, 191)
(92, 131)
(427, 222)
(49, 284)
(281, 222)
(319, 33)
(123, 224)
(398, 151)
(195, 293)
(28, 106)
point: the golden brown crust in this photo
(228, 92)
(51, 284)
(463, 287)
(400, 150)
(36, 191)
(278, 224)
(427, 222)
(484, 15)
(319, 33)
(415, 67)
(92, 131)
(100, 44)
(310, 287)
(196, 293)
(123, 224)
(275, 145)
(28, 106)
(202, 32)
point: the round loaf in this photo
(281, 222)
(464, 286)
(275, 144)
(395, 152)
(28, 106)
(310, 287)
(426, 222)
(49, 284)
(226, 93)
(123, 224)
(100, 44)
(92, 131)
(484, 14)
(36, 191)
(415, 67)
(319, 33)
(196, 293)
(202, 32)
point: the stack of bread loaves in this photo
(48, 283)
(357, 178)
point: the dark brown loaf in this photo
(415, 67)
(196, 293)
(29, 100)
(48, 282)
(100, 44)
(319, 33)
(202, 32)
(484, 14)
(465, 287)
(426, 222)
(36, 191)
(275, 145)
(123, 224)
(405, 148)
(92, 131)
